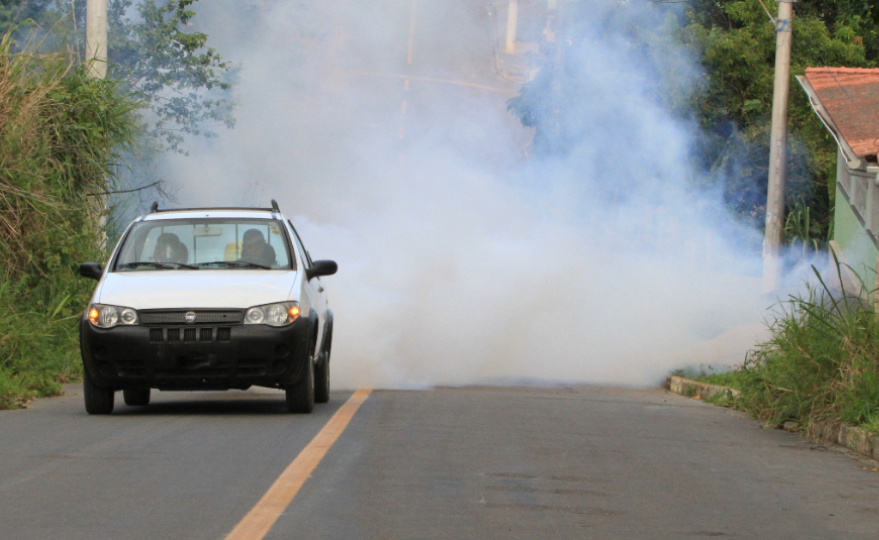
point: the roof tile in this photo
(851, 97)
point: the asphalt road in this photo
(505, 463)
(509, 463)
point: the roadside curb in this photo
(854, 438)
(693, 389)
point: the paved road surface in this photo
(510, 463)
(449, 463)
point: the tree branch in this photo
(123, 191)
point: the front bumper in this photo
(202, 357)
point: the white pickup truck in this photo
(207, 299)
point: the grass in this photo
(821, 363)
(60, 134)
(38, 348)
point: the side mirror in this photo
(90, 270)
(322, 268)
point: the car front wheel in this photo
(98, 400)
(322, 382)
(300, 396)
(322, 372)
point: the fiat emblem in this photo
(189, 317)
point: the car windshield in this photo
(207, 243)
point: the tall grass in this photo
(821, 362)
(60, 136)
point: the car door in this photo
(314, 289)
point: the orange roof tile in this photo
(851, 97)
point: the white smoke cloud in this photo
(460, 260)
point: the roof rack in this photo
(155, 208)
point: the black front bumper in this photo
(202, 357)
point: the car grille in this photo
(201, 317)
(190, 335)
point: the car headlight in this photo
(109, 316)
(280, 314)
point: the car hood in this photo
(182, 289)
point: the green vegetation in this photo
(60, 136)
(63, 137)
(821, 363)
(729, 104)
(733, 102)
(153, 51)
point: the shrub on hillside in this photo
(60, 134)
(822, 362)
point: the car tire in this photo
(322, 382)
(98, 400)
(322, 373)
(300, 396)
(136, 397)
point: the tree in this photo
(730, 101)
(169, 67)
(736, 43)
(16, 11)
(183, 83)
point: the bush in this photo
(822, 362)
(60, 134)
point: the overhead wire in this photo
(766, 9)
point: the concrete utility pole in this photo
(774, 237)
(96, 38)
(512, 24)
(96, 60)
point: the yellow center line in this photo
(257, 523)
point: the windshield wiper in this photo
(170, 265)
(239, 264)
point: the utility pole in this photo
(96, 60)
(774, 237)
(96, 38)
(512, 24)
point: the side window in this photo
(299, 247)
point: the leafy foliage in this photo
(822, 362)
(61, 132)
(13, 12)
(152, 51)
(169, 67)
(733, 102)
(730, 102)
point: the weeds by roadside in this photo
(60, 131)
(820, 364)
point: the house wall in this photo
(854, 244)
